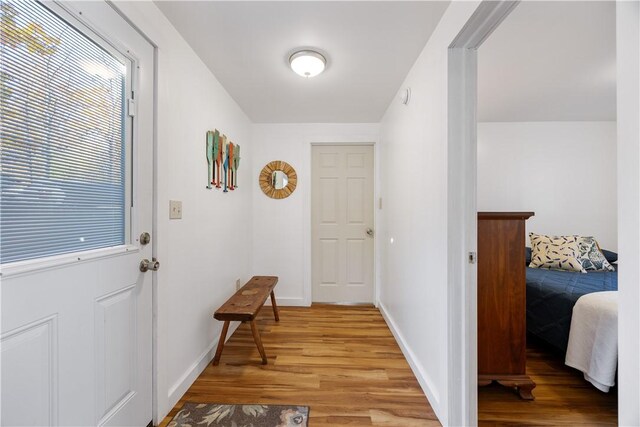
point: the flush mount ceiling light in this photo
(307, 63)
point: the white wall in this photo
(201, 255)
(414, 190)
(563, 171)
(628, 66)
(282, 228)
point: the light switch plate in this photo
(175, 209)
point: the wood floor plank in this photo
(341, 361)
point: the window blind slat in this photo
(62, 137)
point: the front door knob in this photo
(370, 232)
(146, 265)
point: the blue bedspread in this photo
(551, 296)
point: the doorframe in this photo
(308, 286)
(462, 372)
(628, 188)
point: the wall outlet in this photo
(175, 209)
(238, 284)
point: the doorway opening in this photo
(538, 126)
(464, 201)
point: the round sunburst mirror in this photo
(278, 179)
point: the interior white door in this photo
(342, 223)
(76, 332)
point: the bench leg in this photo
(256, 338)
(223, 336)
(275, 306)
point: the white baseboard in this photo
(289, 302)
(180, 387)
(425, 382)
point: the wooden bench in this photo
(244, 306)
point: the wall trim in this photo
(462, 369)
(289, 302)
(180, 387)
(425, 382)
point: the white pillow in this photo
(556, 252)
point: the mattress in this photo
(551, 296)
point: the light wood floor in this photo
(344, 363)
(341, 361)
(563, 397)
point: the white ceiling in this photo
(550, 61)
(370, 48)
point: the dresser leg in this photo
(484, 381)
(525, 391)
(523, 384)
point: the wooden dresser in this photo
(502, 329)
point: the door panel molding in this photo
(35, 344)
(115, 351)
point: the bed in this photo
(551, 296)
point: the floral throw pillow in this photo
(556, 252)
(591, 257)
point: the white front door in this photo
(342, 223)
(77, 192)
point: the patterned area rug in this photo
(219, 415)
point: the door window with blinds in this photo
(65, 136)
